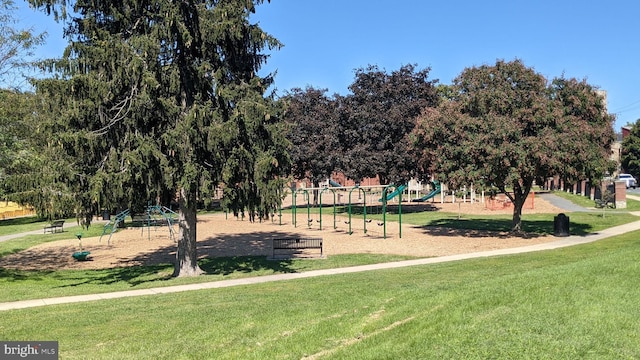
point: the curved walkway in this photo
(19, 235)
(560, 243)
(562, 203)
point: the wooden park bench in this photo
(54, 226)
(144, 220)
(139, 220)
(290, 247)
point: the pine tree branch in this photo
(122, 109)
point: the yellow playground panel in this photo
(9, 209)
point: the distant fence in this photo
(501, 201)
(17, 213)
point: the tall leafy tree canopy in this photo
(16, 153)
(630, 157)
(313, 119)
(17, 45)
(16, 106)
(505, 126)
(158, 98)
(380, 114)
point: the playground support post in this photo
(294, 207)
(384, 210)
(364, 208)
(306, 196)
(334, 207)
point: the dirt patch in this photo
(219, 235)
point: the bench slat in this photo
(297, 244)
(54, 226)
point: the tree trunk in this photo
(186, 255)
(518, 204)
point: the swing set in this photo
(388, 193)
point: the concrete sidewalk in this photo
(19, 235)
(633, 197)
(560, 243)
(562, 203)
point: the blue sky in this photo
(325, 40)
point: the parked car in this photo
(629, 180)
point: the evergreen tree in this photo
(162, 97)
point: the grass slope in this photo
(569, 303)
(578, 302)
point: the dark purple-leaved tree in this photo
(377, 118)
(312, 118)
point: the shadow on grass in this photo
(244, 264)
(20, 221)
(479, 227)
(222, 266)
(18, 275)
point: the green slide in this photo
(395, 193)
(436, 190)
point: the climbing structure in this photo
(155, 215)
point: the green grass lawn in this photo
(577, 302)
(26, 224)
(23, 285)
(581, 222)
(632, 205)
(20, 225)
(571, 303)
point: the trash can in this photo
(106, 215)
(561, 225)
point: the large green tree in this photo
(162, 97)
(17, 46)
(630, 157)
(17, 154)
(506, 126)
(378, 117)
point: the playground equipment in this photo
(364, 208)
(437, 189)
(294, 207)
(501, 202)
(387, 192)
(80, 255)
(396, 192)
(155, 215)
(334, 206)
